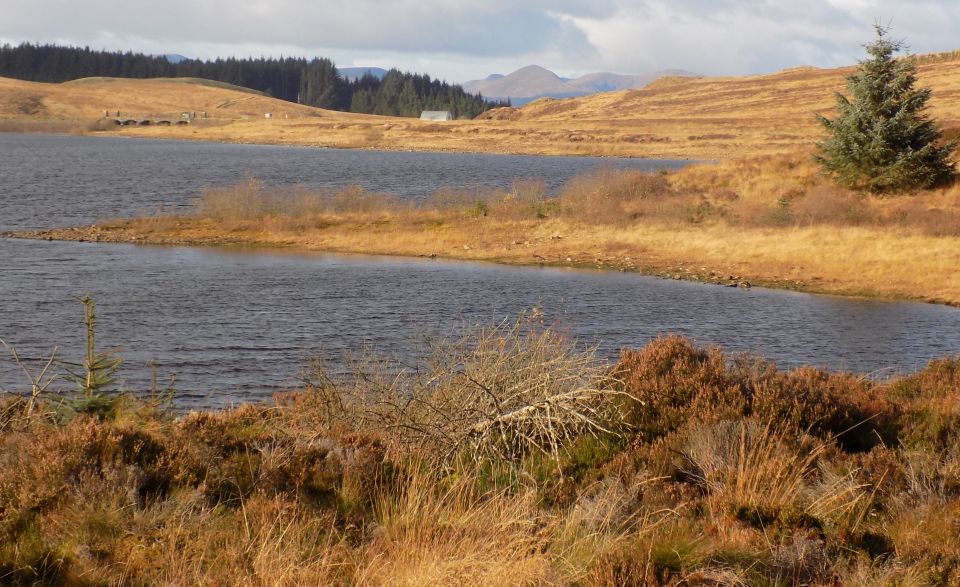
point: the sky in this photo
(459, 40)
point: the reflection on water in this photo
(233, 326)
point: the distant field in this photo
(705, 118)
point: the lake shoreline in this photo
(75, 129)
(221, 135)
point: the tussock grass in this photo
(711, 469)
(763, 192)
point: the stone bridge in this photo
(150, 122)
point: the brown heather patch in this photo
(718, 470)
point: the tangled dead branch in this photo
(500, 391)
(39, 381)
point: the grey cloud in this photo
(492, 27)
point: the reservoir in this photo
(235, 326)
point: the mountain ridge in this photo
(532, 82)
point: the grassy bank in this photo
(683, 118)
(770, 221)
(509, 456)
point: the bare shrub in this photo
(355, 200)
(41, 126)
(828, 205)
(752, 212)
(39, 381)
(735, 478)
(526, 199)
(476, 201)
(246, 200)
(249, 200)
(499, 391)
(929, 217)
(609, 196)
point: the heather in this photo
(508, 454)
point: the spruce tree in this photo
(882, 140)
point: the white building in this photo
(436, 115)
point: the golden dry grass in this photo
(706, 118)
(87, 99)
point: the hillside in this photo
(87, 99)
(703, 118)
(710, 115)
(355, 73)
(312, 82)
(613, 82)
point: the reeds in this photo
(762, 192)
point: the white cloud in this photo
(755, 36)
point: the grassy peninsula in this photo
(772, 221)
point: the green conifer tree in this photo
(882, 140)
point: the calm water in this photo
(234, 326)
(48, 181)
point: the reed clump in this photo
(780, 192)
(506, 455)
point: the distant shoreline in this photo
(75, 128)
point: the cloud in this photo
(755, 36)
(463, 39)
(490, 27)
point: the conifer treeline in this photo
(315, 82)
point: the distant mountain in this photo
(532, 82)
(524, 85)
(354, 73)
(175, 58)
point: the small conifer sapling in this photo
(882, 140)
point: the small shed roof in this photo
(436, 115)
